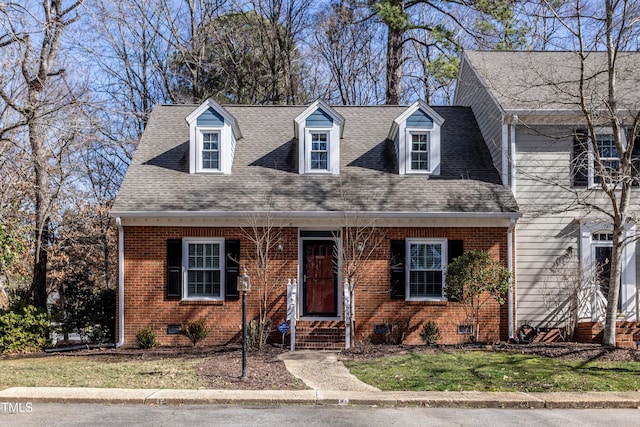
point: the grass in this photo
(494, 371)
(100, 371)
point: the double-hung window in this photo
(319, 151)
(609, 158)
(204, 265)
(419, 151)
(426, 268)
(209, 150)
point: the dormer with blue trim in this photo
(213, 133)
(416, 138)
(318, 130)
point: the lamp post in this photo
(244, 286)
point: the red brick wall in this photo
(145, 302)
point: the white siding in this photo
(548, 226)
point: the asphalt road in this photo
(54, 414)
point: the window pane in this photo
(203, 275)
(319, 151)
(425, 284)
(210, 150)
(420, 151)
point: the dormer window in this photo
(209, 150)
(319, 152)
(416, 136)
(419, 151)
(212, 140)
(318, 131)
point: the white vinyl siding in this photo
(548, 227)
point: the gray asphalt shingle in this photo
(537, 80)
(265, 176)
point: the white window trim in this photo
(434, 150)
(200, 131)
(185, 269)
(410, 133)
(308, 145)
(628, 291)
(408, 243)
(591, 154)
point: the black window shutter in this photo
(397, 273)
(635, 161)
(174, 268)
(232, 249)
(455, 248)
(580, 159)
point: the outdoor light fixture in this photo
(244, 285)
(280, 246)
(360, 246)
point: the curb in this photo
(462, 399)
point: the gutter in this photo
(120, 283)
(308, 214)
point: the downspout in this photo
(510, 306)
(505, 152)
(512, 154)
(120, 283)
(513, 315)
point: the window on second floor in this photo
(213, 134)
(318, 130)
(319, 151)
(416, 137)
(420, 151)
(209, 150)
(585, 160)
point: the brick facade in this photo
(145, 301)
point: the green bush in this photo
(195, 330)
(146, 338)
(430, 333)
(25, 330)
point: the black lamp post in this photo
(244, 286)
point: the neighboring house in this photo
(204, 174)
(526, 104)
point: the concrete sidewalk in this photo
(465, 399)
(331, 384)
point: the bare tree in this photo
(349, 48)
(265, 235)
(611, 27)
(39, 94)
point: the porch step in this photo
(320, 335)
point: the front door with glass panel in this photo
(320, 282)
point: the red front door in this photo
(320, 281)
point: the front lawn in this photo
(100, 371)
(494, 371)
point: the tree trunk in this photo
(394, 65)
(613, 295)
(41, 232)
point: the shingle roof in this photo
(264, 174)
(549, 80)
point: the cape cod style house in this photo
(527, 108)
(204, 175)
